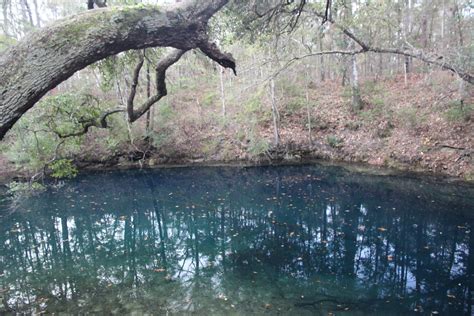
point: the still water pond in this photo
(307, 240)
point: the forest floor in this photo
(417, 127)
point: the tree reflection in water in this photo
(306, 240)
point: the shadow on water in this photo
(269, 240)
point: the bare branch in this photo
(418, 54)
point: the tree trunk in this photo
(221, 76)
(308, 106)
(356, 99)
(6, 17)
(275, 114)
(51, 55)
(321, 58)
(38, 19)
(149, 117)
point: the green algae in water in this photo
(307, 240)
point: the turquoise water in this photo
(306, 240)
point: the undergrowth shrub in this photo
(334, 141)
(411, 118)
(459, 113)
(62, 169)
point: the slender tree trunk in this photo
(148, 95)
(321, 58)
(275, 114)
(406, 70)
(28, 12)
(6, 17)
(462, 92)
(37, 15)
(356, 99)
(406, 32)
(344, 75)
(308, 107)
(458, 19)
(221, 76)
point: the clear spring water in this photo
(306, 240)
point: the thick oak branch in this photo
(51, 55)
(161, 91)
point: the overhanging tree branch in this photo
(101, 122)
(52, 54)
(161, 91)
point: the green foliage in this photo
(117, 134)
(459, 113)
(410, 118)
(63, 168)
(113, 67)
(257, 146)
(371, 88)
(21, 189)
(346, 93)
(377, 110)
(165, 114)
(334, 141)
(290, 89)
(253, 105)
(210, 147)
(31, 149)
(36, 141)
(254, 111)
(65, 113)
(6, 41)
(208, 99)
(353, 125)
(295, 104)
(160, 139)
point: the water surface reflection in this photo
(283, 240)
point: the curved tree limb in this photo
(52, 54)
(161, 91)
(101, 122)
(132, 113)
